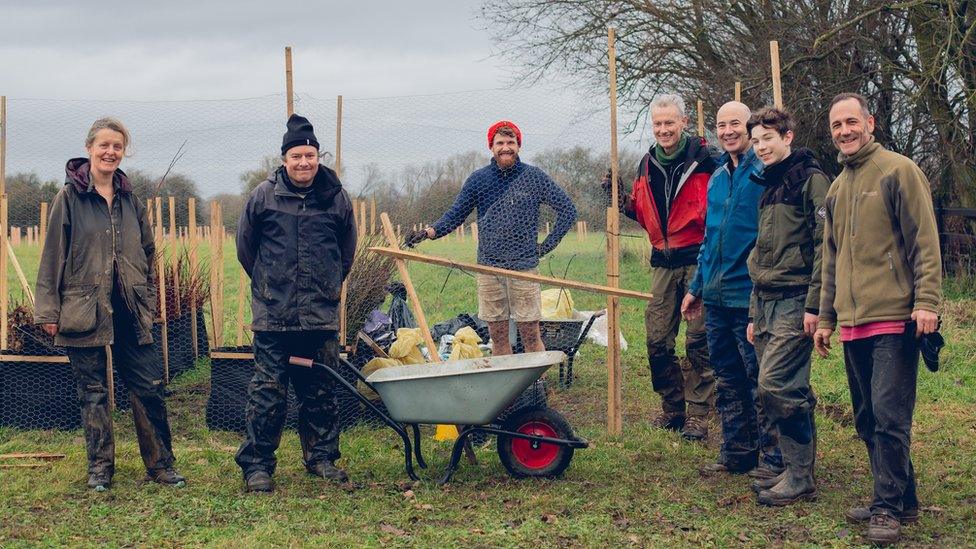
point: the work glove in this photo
(412, 238)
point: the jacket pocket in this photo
(145, 305)
(78, 309)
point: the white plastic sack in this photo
(598, 331)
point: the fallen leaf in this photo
(404, 486)
(933, 509)
(425, 507)
(322, 496)
(743, 537)
(476, 531)
(634, 539)
(549, 518)
(390, 529)
(409, 494)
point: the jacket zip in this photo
(668, 185)
(850, 247)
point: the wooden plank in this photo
(230, 355)
(22, 465)
(372, 345)
(372, 215)
(738, 91)
(32, 455)
(174, 256)
(34, 358)
(475, 268)
(289, 84)
(614, 370)
(777, 83)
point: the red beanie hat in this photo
(501, 124)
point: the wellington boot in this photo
(766, 483)
(798, 484)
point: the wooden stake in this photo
(777, 83)
(418, 311)
(241, 282)
(338, 149)
(614, 371)
(4, 298)
(4, 291)
(547, 228)
(372, 215)
(701, 118)
(398, 253)
(110, 377)
(173, 254)
(738, 91)
(191, 205)
(362, 219)
(24, 285)
(289, 86)
(217, 273)
(474, 231)
(161, 273)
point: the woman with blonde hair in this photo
(95, 288)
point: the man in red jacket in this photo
(668, 200)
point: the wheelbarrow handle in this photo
(586, 330)
(309, 363)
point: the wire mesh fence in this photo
(194, 163)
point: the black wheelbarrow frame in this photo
(412, 449)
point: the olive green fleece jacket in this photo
(881, 258)
(786, 260)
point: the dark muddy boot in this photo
(669, 421)
(765, 472)
(883, 529)
(858, 515)
(167, 477)
(259, 481)
(766, 483)
(100, 481)
(798, 483)
(695, 428)
(328, 471)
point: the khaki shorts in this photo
(501, 298)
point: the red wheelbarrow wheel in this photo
(526, 458)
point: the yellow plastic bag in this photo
(557, 303)
(370, 367)
(406, 348)
(465, 344)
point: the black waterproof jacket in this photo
(86, 242)
(297, 250)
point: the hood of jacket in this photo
(78, 173)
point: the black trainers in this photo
(259, 481)
(100, 481)
(328, 470)
(695, 428)
(671, 421)
(859, 515)
(167, 477)
(883, 529)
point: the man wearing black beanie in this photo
(296, 239)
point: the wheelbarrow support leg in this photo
(416, 446)
(456, 453)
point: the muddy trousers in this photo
(141, 369)
(690, 382)
(882, 372)
(784, 353)
(318, 425)
(748, 437)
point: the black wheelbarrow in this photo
(532, 442)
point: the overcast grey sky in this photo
(96, 53)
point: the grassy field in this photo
(642, 488)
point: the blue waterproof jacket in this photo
(731, 224)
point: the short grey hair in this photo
(669, 100)
(107, 123)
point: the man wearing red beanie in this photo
(507, 194)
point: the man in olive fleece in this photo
(881, 269)
(785, 270)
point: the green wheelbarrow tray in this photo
(532, 442)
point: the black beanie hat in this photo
(299, 133)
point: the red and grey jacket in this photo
(676, 241)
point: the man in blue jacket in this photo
(722, 283)
(507, 194)
(296, 239)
